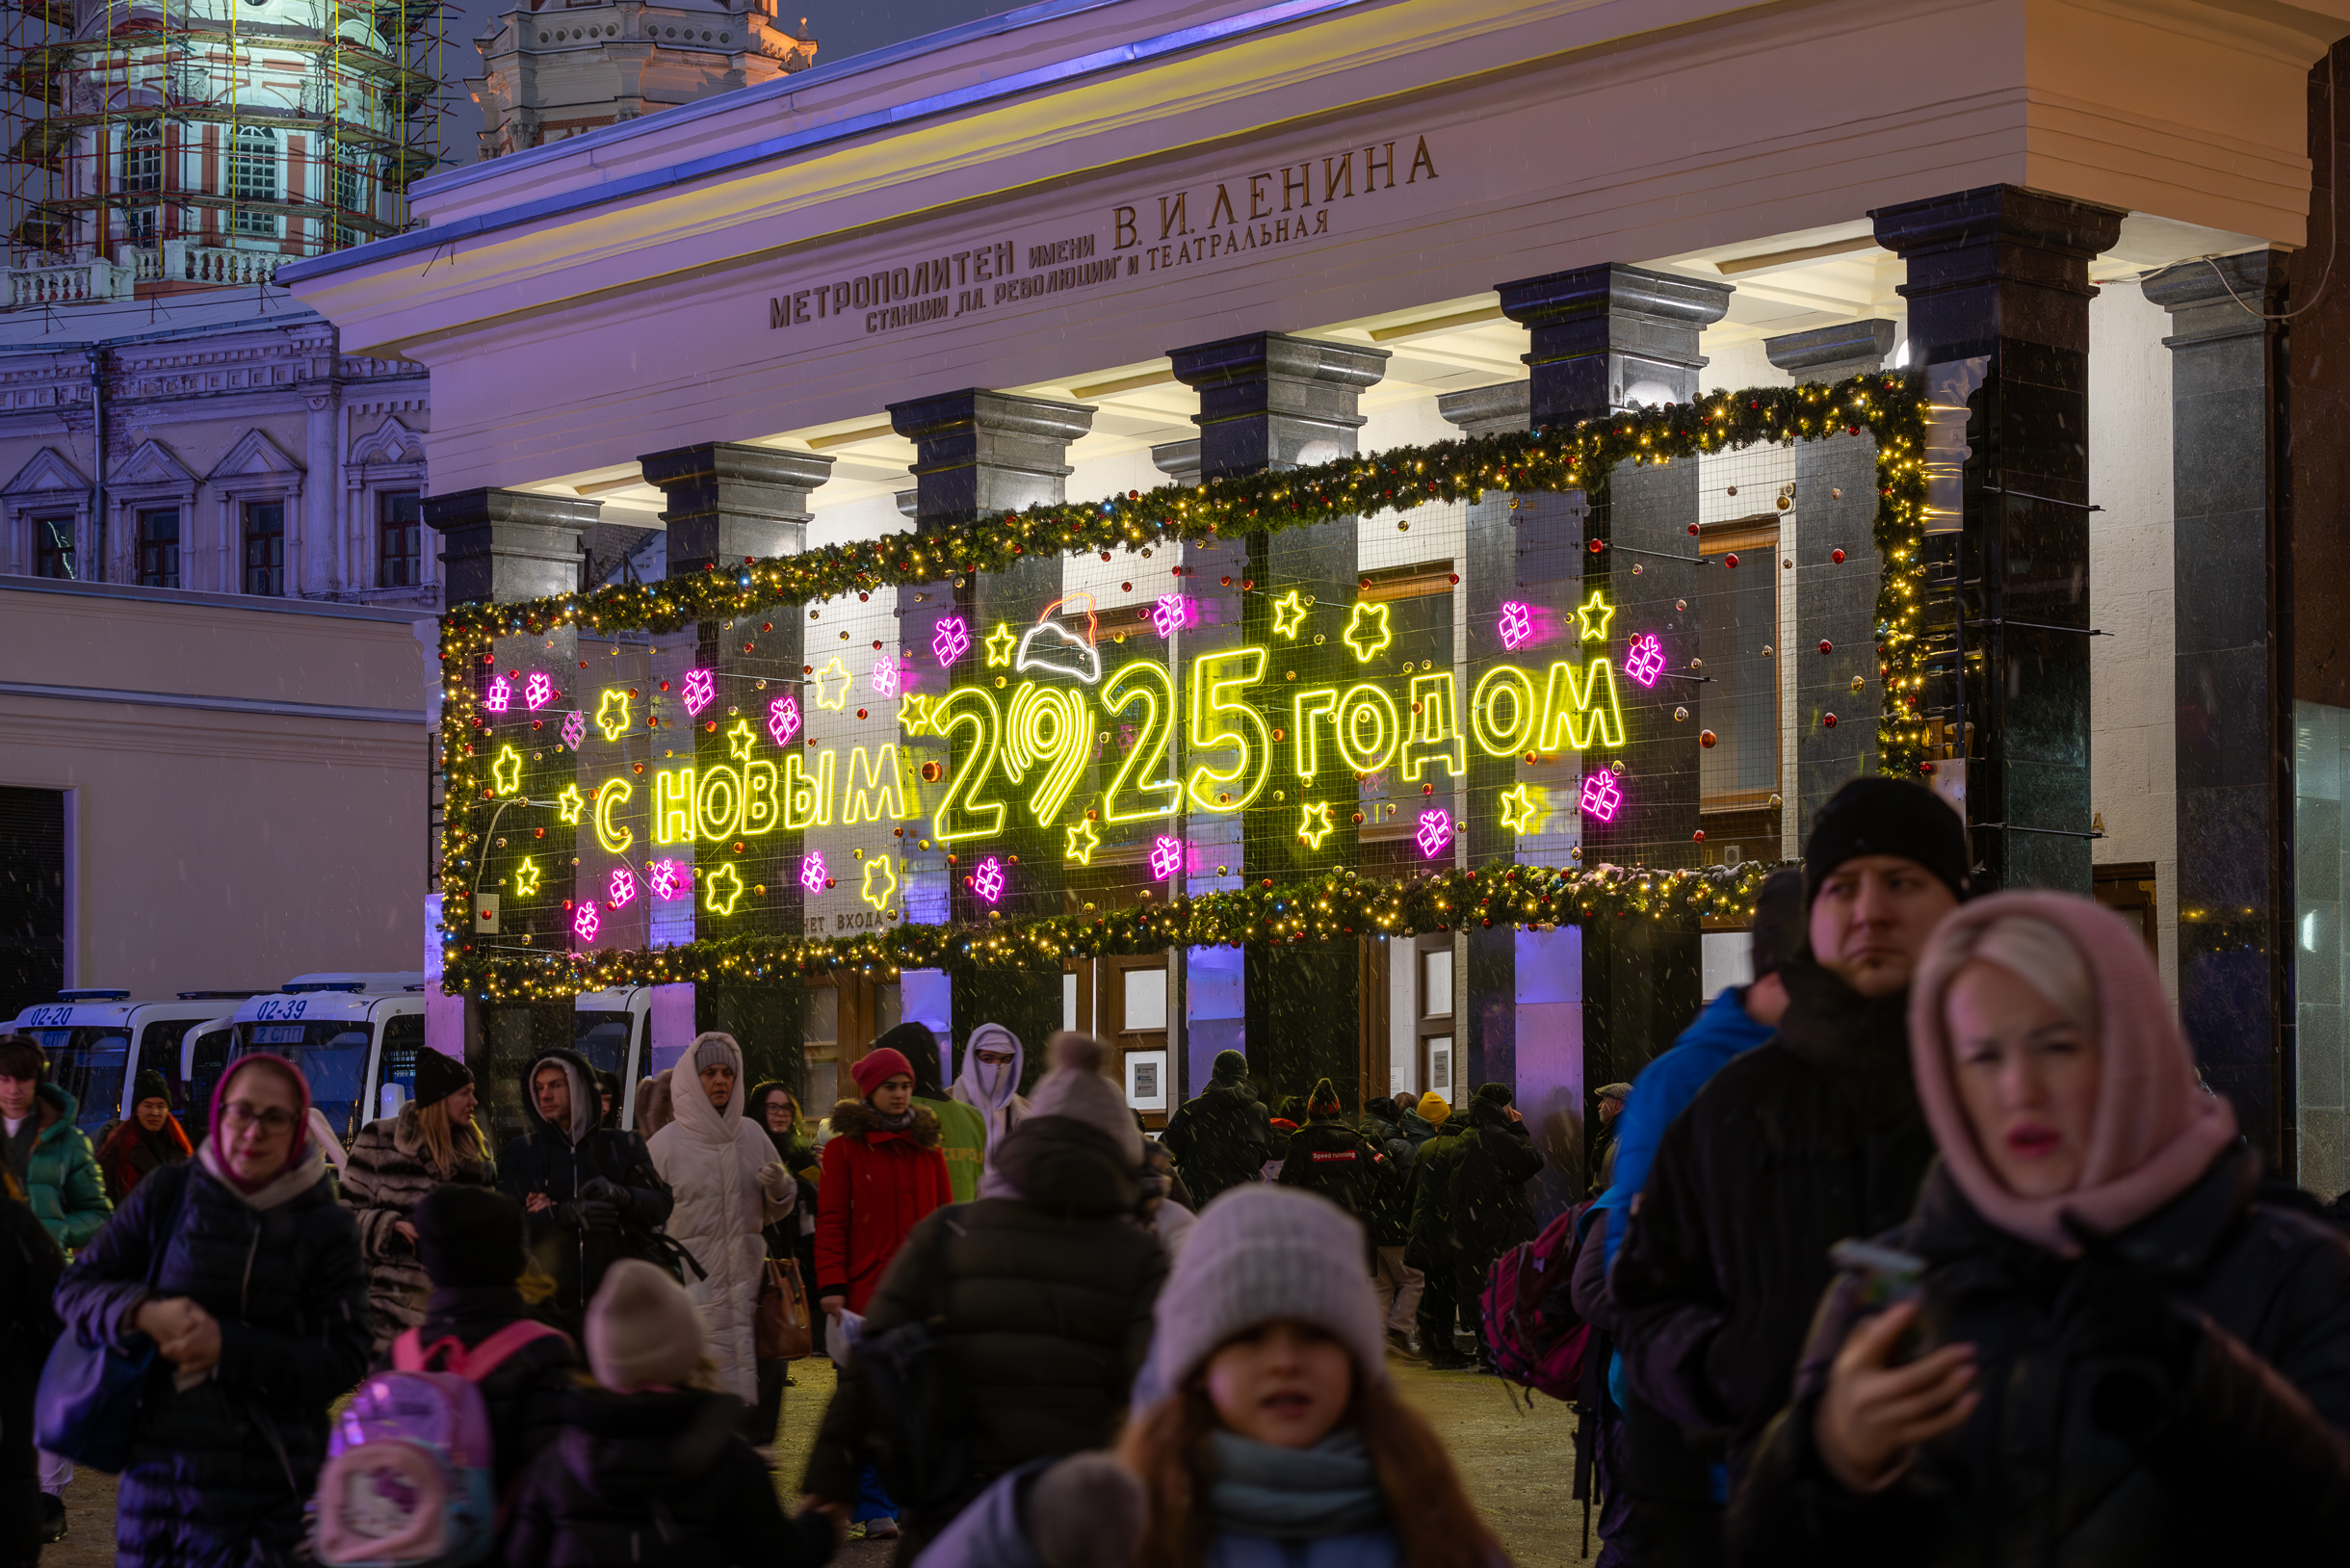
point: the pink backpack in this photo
(408, 1482)
(1537, 1338)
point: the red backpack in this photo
(1537, 1339)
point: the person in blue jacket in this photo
(1655, 1471)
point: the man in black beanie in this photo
(474, 1250)
(1810, 1137)
(1224, 1136)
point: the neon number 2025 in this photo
(961, 814)
(1218, 718)
(1153, 686)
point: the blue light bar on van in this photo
(93, 996)
(216, 996)
(297, 987)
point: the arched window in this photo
(142, 155)
(253, 176)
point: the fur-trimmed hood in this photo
(851, 1118)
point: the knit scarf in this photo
(1295, 1493)
(891, 1124)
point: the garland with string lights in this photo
(1889, 406)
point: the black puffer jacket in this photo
(30, 1264)
(656, 1480)
(1326, 1156)
(220, 1472)
(2251, 1462)
(1220, 1139)
(526, 1395)
(1044, 1302)
(1491, 1212)
(559, 1161)
(1810, 1137)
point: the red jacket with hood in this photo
(877, 1183)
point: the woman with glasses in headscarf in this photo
(244, 1275)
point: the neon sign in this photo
(702, 689)
(999, 644)
(812, 872)
(1314, 824)
(1368, 629)
(527, 878)
(586, 922)
(723, 890)
(885, 679)
(1289, 614)
(1603, 796)
(879, 896)
(505, 770)
(612, 714)
(621, 890)
(739, 739)
(1594, 614)
(1174, 613)
(826, 696)
(609, 798)
(569, 803)
(1435, 832)
(1516, 625)
(1524, 808)
(987, 879)
(499, 696)
(950, 640)
(575, 730)
(539, 691)
(669, 879)
(1054, 649)
(783, 719)
(1082, 842)
(1166, 857)
(1645, 662)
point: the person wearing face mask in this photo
(147, 1142)
(393, 1163)
(1278, 1443)
(585, 1187)
(989, 1084)
(729, 1185)
(1797, 1144)
(245, 1276)
(2095, 1332)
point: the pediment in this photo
(46, 474)
(389, 442)
(155, 465)
(254, 455)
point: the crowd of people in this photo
(1927, 1245)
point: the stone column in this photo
(1269, 401)
(2226, 402)
(2002, 274)
(1602, 339)
(979, 453)
(1836, 509)
(728, 500)
(505, 546)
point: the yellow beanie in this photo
(1433, 1109)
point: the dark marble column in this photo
(2236, 893)
(1836, 509)
(1602, 339)
(728, 500)
(1271, 402)
(505, 545)
(2003, 273)
(979, 453)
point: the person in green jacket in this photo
(963, 1131)
(48, 1155)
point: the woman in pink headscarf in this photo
(2089, 1345)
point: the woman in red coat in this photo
(884, 1170)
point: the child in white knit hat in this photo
(1265, 1433)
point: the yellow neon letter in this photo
(1217, 680)
(1306, 710)
(1152, 684)
(717, 822)
(1048, 722)
(1582, 706)
(760, 813)
(1367, 702)
(807, 801)
(1436, 731)
(961, 814)
(673, 806)
(1504, 687)
(614, 793)
(882, 795)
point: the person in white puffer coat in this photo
(729, 1185)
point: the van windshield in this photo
(602, 1038)
(89, 1064)
(333, 1055)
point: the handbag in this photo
(87, 1407)
(784, 1332)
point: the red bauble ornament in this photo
(1828, 719)
(1826, 646)
(1837, 555)
(1730, 561)
(1706, 738)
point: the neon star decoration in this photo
(1524, 808)
(570, 803)
(1435, 832)
(505, 770)
(1000, 645)
(1367, 630)
(575, 730)
(878, 896)
(612, 714)
(950, 640)
(885, 677)
(1166, 857)
(1082, 842)
(722, 889)
(1289, 614)
(586, 922)
(621, 890)
(499, 696)
(1516, 625)
(739, 739)
(1174, 613)
(669, 879)
(702, 689)
(1645, 661)
(987, 879)
(539, 691)
(1603, 796)
(1313, 824)
(783, 719)
(812, 872)
(826, 696)
(1594, 617)
(527, 878)
(913, 713)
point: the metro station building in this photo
(1469, 783)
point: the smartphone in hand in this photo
(1887, 1276)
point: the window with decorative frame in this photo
(159, 547)
(53, 547)
(399, 538)
(350, 198)
(265, 548)
(253, 176)
(142, 155)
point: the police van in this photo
(99, 1041)
(613, 1029)
(354, 1036)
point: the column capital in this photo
(2003, 231)
(2221, 297)
(1829, 353)
(1488, 410)
(505, 545)
(1268, 400)
(1609, 334)
(1178, 461)
(728, 500)
(979, 451)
